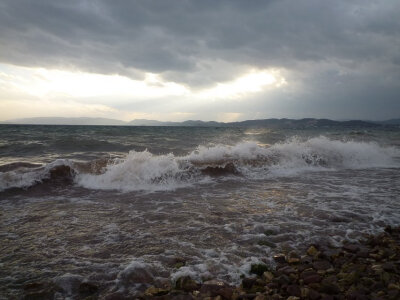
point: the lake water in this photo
(103, 203)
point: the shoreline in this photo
(369, 269)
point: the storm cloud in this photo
(341, 59)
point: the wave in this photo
(146, 171)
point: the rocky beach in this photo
(369, 269)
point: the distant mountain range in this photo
(272, 123)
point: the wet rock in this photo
(268, 276)
(186, 283)
(68, 283)
(267, 243)
(228, 169)
(213, 288)
(393, 286)
(353, 248)
(153, 291)
(389, 267)
(280, 258)
(329, 288)
(293, 260)
(313, 295)
(287, 270)
(87, 289)
(247, 283)
(312, 251)
(307, 273)
(306, 259)
(39, 292)
(258, 269)
(327, 297)
(282, 280)
(136, 274)
(389, 229)
(181, 297)
(117, 296)
(312, 279)
(247, 297)
(356, 295)
(322, 265)
(293, 290)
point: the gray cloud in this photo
(343, 53)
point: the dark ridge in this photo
(61, 175)
(273, 123)
(228, 169)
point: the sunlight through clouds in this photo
(253, 82)
(61, 92)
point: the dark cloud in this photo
(329, 47)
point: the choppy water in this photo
(102, 203)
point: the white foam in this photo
(138, 171)
(148, 172)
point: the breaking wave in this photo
(146, 171)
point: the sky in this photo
(224, 60)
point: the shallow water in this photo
(221, 200)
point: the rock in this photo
(293, 254)
(305, 259)
(287, 270)
(356, 295)
(313, 295)
(377, 268)
(307, 273)
(258, 269)
(312, 251)
(247, 283)
(213, 288)
(268, 276)
(393, 286)
(178, 297)
(68, 283)
(136, 274)
(322, 265)
(393, 295)
(329, 288)
(186, 283)
(86, 289)
(280, 258)
(283, 279)
(389, 229)
(267, 243)
(312, 279)
(116, 296)
(293, 260)
(293, 298)
(349, 278)
(353, 248)
(46, 293)
(247, 296)
(385, 278)
(327, 297)
(389, 267)
(179, 265)
(305, 291)
(293, 290)
(153, 291)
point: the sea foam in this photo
(149, 172)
